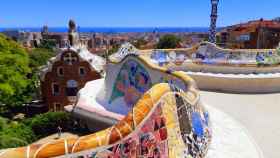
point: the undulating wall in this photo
(225, 70)
(207, 57)
(166, 118)
(173, 128)
(126, 81)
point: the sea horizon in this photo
(112, 29)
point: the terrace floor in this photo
(259, 113)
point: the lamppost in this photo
(214, 16)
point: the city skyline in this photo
(128, 13)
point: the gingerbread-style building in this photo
(68, 72)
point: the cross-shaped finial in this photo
(69, 58)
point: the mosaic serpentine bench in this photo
(160, 114)
(223, 70)
(207, 57)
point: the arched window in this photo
(55, 89)
(72, 88)
(60, 71)
(82, 71)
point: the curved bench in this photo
(207, 57)
(227, 70)
(166, 117)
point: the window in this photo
(243, 38)
(60, 71)
(55, 89)
(82, 71)
(72, 88)
(57, 107)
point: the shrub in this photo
(46, 124)
(168, 42)
(7, 141)
(21, 131)
(15, 134)
(3, 123)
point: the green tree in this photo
(22, 133)
(14, 68)
(15, 134)
(3, 123)
(168, 42)
(40, 57)
(47, 44)
(47, 123)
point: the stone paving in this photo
(259, 114)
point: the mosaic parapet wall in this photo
(128, 78)
(236, 70)
(166, 118)
(208, 57)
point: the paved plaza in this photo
(259, 113)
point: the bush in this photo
(46, 124)
(21, 131)
(168, 42)
(14, 68)
(7, 141)
(3, 123)
(15, 134)
(39, 57)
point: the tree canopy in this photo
(22, 133)
(14, 69)
(40, 57)
(47, 44)
(168, 42)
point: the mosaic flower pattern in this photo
(132, 81)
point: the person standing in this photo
(59, 129)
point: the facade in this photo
(260, 34)
(68, 72)
(61, 81)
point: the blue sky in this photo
(132, 13)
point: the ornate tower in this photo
(72, 33)
(214, 16)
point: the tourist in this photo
(59, 129)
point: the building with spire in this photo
(68, 72)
